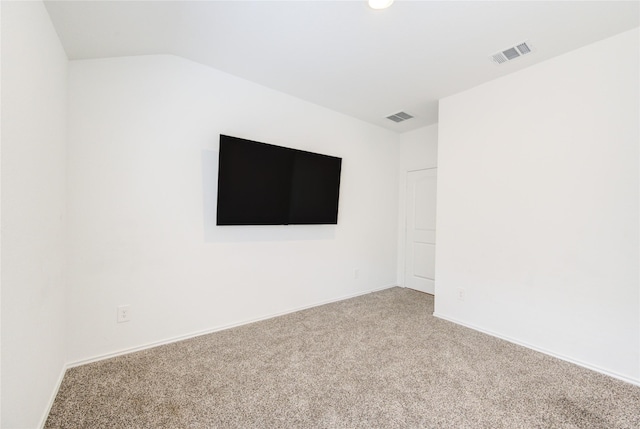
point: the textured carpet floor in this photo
(376, 361)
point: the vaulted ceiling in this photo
(342, 55)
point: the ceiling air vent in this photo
(399, 117)
(511, 53)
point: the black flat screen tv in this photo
(263, 184)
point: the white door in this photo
(420, 247)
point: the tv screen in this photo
(263, 184)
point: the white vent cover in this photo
(399, 117)
(511, 53)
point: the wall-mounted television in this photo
(264, 184)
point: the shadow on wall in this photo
(247, 233)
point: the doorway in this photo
(420, 239)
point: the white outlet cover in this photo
(124, 313)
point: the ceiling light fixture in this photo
(380, 4)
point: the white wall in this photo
(538, 206)
(418, 150)
(143, 142)
(34, 92)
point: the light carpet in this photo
(376, 361)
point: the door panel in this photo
(421, 230)
(424, 252)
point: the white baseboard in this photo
(542, 350)
(215, 329)
(43, 420)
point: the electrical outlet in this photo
(461, 294)
(356, 273)
(124, 313)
